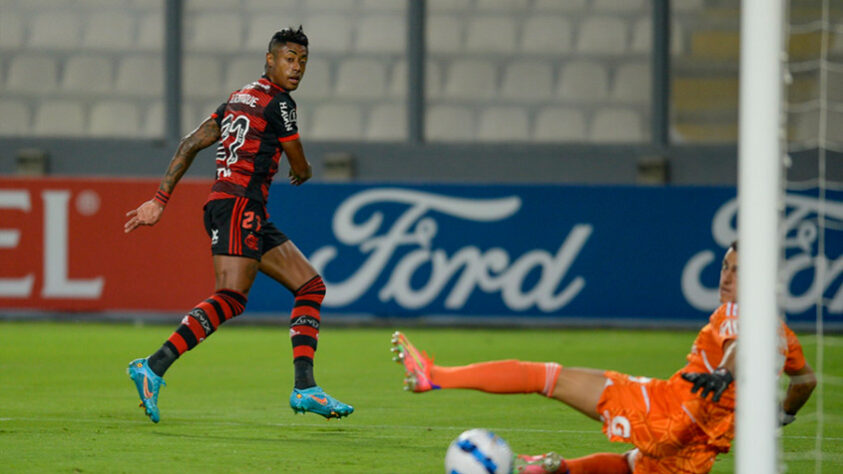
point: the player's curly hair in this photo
(288, 35)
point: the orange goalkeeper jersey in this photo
(707, 351)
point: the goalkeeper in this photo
(676, 425)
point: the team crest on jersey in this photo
(288, 116)
(252, 242)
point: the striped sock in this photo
(197, 325)
(304, 329)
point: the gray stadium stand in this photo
(114, 119)
(508, 123)
(387, 122)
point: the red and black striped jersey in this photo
(254, 122)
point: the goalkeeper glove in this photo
(716, 382)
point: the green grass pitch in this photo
(66, 404)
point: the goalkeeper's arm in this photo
(802, 383)
(719, 379)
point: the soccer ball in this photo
(478, 451)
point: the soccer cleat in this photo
(315, 400)
(416, 364)
(148, 385)
(540, 464)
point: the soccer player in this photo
(673, 428)
(254, 127)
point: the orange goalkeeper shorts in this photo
(650, 414)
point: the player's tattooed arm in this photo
(202, 137)
(149, 212)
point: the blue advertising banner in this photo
(628, 253)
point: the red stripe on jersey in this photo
(236, 217)
(289, 139)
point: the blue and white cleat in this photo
(148, 385)
(315, 400)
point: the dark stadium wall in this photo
(372, 162)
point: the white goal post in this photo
(760, 151)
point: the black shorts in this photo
(238, 227)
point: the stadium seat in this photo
(113, 118)
(55, 31)
(583, 81)
(559, 5)
(503, 124)
(500, 5)
(559, 124)
(361, 78)
(153, 123)
(103, 3)
(546, 34)
(528, 80)
(59, 118)
(140, 75)
(232, 6)
(109, 30)
(382, 34)
(616, 125)
(11, 31)
(470, 79)
(201, 77)
(17, 116)
(145, 4)
(337, 122)
(803, 126)
(263, 25)
(620, 6)
(687, 5)
(642, 37)
(387, 123)
(270, 5)
(490, 35)
(213, 32)
(449, 123)
(432, 74)
(332, 33)
(92, 74)
(632, 83)
(448, 5)
(329, 5)
(245, 70)
(444, 34)
(151, 32)
(837, 46)
(602, 35)
(834, 84)
(384, 5)
(32, 74)
(317, 80)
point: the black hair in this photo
(734, 245)
(288, 35)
